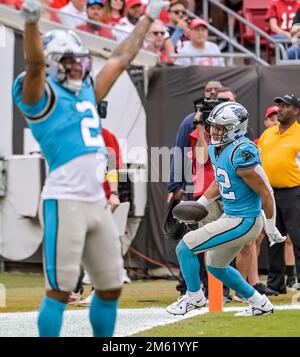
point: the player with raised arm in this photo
(58, 100)
(245, 189)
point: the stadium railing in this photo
(232, 19)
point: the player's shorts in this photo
(223, 238)
(78, 233)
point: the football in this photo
(189, 212)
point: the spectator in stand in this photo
(113, 11)
(76, 8)
(94, 10)
(134, 11)
(280, 16)
(178, 27)
(199, 46)
(280, 151)
(294, 51)
(157, 42)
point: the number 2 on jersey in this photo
(225, 184)
(89, 123)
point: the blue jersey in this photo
(65, 125)
(239, 199)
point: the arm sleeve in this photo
(245, 156)
(32, 111)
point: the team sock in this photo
(50, 317)
(233, 279)
(189, 265)
(103, 315)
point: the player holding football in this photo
(57, 97)
(244, 187)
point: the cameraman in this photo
(177, 185)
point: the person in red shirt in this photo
(110, 184)
(280, 16)
(158, 42)
(94, 12)
(113, 11)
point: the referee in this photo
(280, 151)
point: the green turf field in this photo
(25, 291)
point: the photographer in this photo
(177, 185)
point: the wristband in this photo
(205, 202)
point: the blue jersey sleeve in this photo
(31, 111)
(245, 156)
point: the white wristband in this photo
(205, 202)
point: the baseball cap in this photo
(130, 3)
(271, 110)
(94, 2)
(198, 22)
(288, 99)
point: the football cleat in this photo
(265, 307)
(186, 303)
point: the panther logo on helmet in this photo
(59, 45)
(232, 118)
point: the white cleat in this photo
(186, 303)
(263, 308)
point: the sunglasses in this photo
(178, 12)
(156, 33)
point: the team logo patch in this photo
(247, 155)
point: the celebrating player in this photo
(57, 97)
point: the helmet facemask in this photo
(66, 55)
(230, 117)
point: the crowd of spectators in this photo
(117, 19)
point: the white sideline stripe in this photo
(76, 323)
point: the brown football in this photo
(189, 212)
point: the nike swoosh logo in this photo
(264, 304)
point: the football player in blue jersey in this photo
(245, 190)
(58, 100)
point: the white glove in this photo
(154, 8)
(271, 231)
(31, 11)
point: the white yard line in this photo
(76, 323)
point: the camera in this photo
(205, 105)
(102, 109)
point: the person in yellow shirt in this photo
(280, 152)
